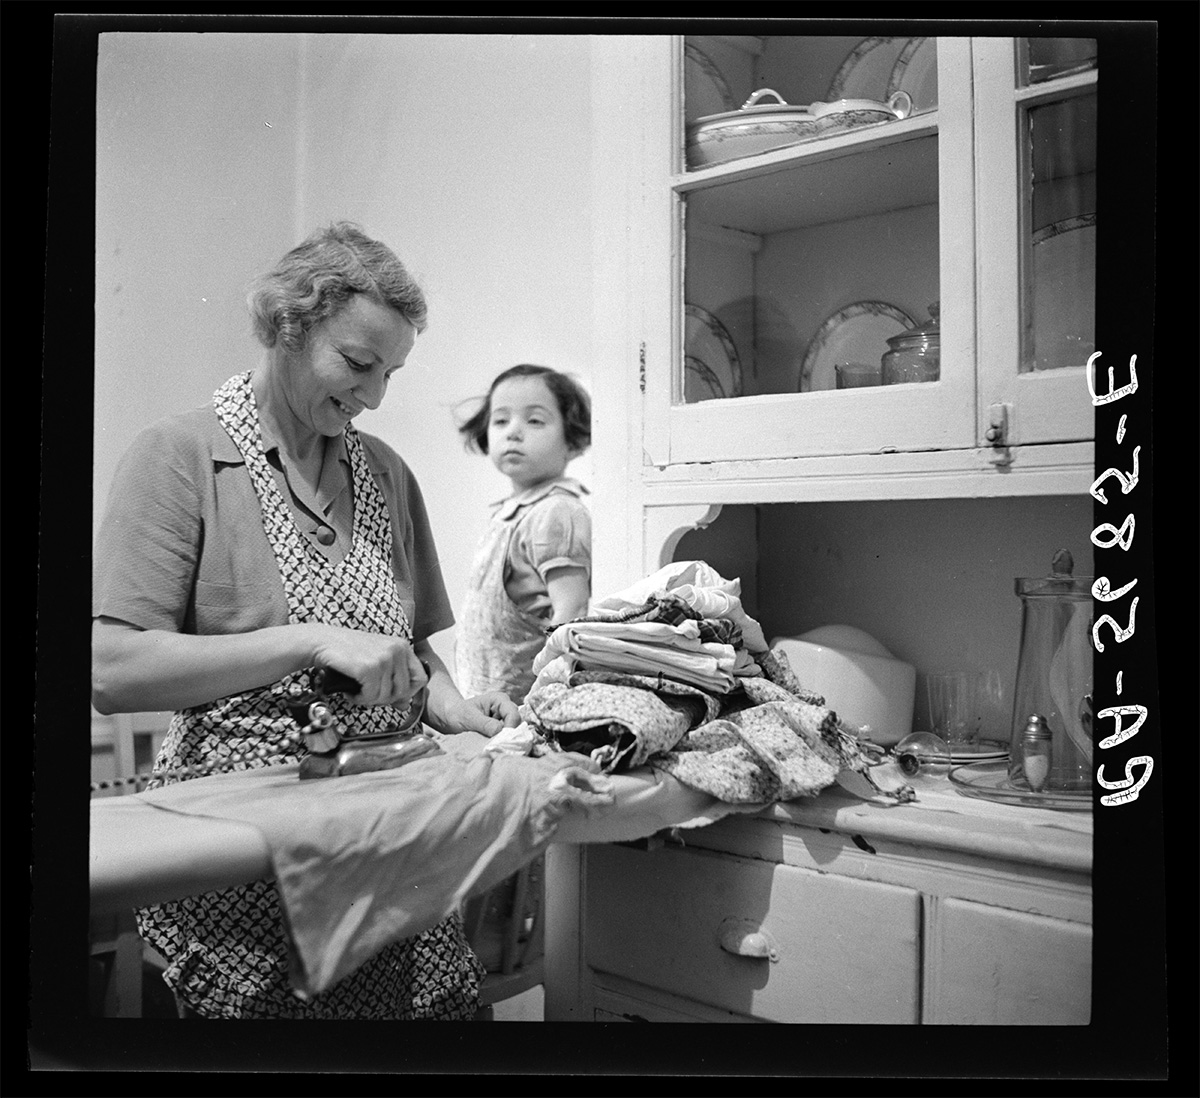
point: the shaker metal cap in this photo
(1036, 728)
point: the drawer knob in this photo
(743, 938)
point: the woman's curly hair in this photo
(317, 278)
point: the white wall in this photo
(196, 141)
(469, 155)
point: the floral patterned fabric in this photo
(617, 726)
(768, 740)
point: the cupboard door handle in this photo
(743, 938)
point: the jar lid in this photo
(928, 334)
(1060, 583)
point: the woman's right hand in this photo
(386, 667)
(135, 670)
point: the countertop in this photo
(141, 853)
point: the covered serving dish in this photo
(756, 128)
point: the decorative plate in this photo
(1063, 294)
(857, 333)
(915, 72)
(839, 121)
(705, 90)
(700, 383)
(864, 74)
(711, 364)
(989, 781)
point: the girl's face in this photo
(346, 365)
(525, 433)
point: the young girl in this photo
(533, 567)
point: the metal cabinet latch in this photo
(997, 434)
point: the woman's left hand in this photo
(487, 713)
(450, 713)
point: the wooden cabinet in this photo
(933, 207)
(948, 205)
(833, 910)
(770, 941)
(991, 966)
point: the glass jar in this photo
(914, 355)
(1054, 676)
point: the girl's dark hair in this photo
(317, 278)
(574, 405)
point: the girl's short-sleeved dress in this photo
(503, 620)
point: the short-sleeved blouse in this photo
(553, 530)
(182, 545)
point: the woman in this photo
(247, 544)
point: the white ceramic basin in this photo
(861, 681)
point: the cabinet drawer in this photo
(846, 951)
(655, 1006)
(992, 966)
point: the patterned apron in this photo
(226, 950)
(497, 640)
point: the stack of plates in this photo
(989, 780)
(963, 753)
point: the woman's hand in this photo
(450, 713)
(488, 713)
(386, 667)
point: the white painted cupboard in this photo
(860, 913)
(832, 910)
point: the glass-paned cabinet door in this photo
(1036, 102)
(823, 209)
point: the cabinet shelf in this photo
(825, 179)
(858, 182)
(812, 150)
(1056, 469)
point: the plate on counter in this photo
(856, 333)
(712, 368)
(865, 72)
(915, 72)
(989, 781)
(1064, 293)
(705, 90)
(964, 753)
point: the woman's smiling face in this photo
(346, 365)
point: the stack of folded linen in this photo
(674, 674)
(676, 652)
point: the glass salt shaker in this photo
(1035, 752)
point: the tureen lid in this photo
(779, 111)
